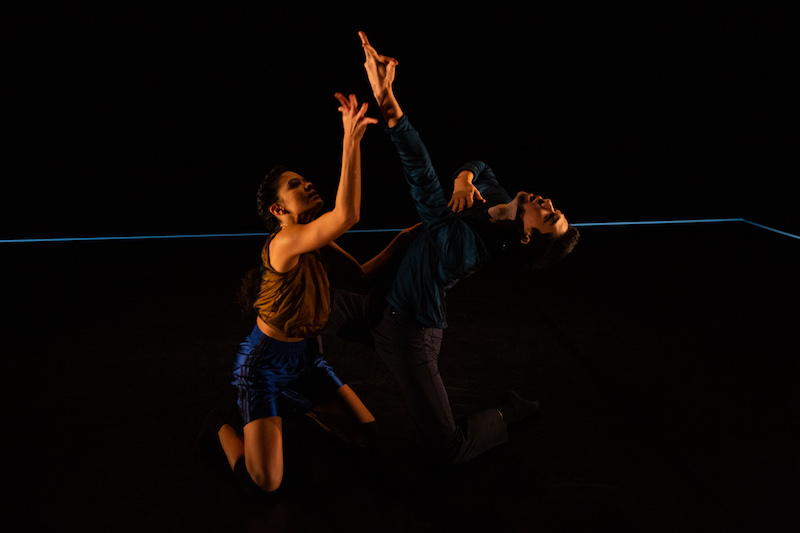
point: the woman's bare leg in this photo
(344, 415)
(232, 444)
(262, 449)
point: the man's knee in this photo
(473, 435)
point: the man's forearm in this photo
(390, 109)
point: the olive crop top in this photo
(297, 302)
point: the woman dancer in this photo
(275, 374)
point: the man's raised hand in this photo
(380, 70)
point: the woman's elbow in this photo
(351, 219)
(343, 219)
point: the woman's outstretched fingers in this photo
(354, 119)
(342, 100)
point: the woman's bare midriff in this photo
(273, 333)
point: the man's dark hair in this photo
(541, 251)
(544, 249)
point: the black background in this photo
(665, 357)
(157, 120)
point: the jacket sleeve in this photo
(453, 240)
(425, 187)
(484, 176)
(485, 180)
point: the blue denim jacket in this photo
(452, 246)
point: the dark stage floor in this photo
(665, 359)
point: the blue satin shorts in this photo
(276, 378)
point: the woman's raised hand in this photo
(380, 69)
(354, 119)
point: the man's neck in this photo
(504, 211)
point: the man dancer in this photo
(479, 223)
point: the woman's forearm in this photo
(361, 277)
(347, 206)
(393, 250)
(376, 264)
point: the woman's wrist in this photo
(351, 143)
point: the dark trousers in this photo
(411, 352)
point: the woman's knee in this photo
(263, 448)
(267, 473)
(255, 480)
(267, 481)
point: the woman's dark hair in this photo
(249, 289)
(267, 195)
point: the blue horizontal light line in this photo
(132, 237)
(657, 222)
(385, 230)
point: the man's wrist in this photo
(385, 98)
(467, 175)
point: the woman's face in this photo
(297, 196)
(539, 213)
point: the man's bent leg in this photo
(411, 352)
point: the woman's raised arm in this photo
(297, 239)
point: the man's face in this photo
(539, 213)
